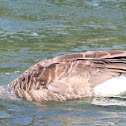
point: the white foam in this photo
(35, 34)
(7, 73)
(112, 87)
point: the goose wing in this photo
(69, 76)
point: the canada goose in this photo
(89, 74)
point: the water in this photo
(35, 30)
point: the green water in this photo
(35, 30)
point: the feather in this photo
(69, 76)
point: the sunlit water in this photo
(35, 30)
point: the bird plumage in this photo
(69, 76)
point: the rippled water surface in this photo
(35, 30)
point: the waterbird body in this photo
(89, 74)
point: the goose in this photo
(70, 76)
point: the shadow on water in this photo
(87, 111)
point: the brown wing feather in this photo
(51, 79)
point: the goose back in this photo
(69, 76)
